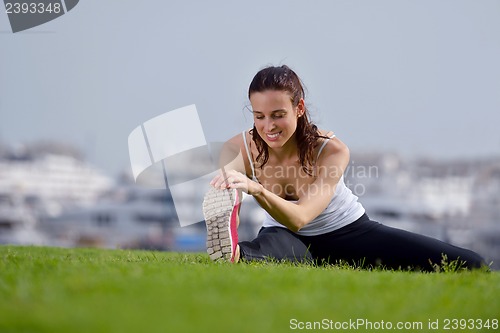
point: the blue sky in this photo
(421, 78)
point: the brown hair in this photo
(284, 79)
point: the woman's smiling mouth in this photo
(273, 136)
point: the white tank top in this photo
(342, 210)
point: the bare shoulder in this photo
(333, 149)
(237, 139)
(232, 155)
(235, 143)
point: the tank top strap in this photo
(249, 156)
(324, 144)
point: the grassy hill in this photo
(88, 290)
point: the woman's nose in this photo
(270, 125)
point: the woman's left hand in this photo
(235, 180)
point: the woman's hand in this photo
(236, 180)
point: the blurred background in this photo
(411, 87)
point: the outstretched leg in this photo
(373, 244)
(275, 243)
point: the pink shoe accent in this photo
(220, 208)
(233, 226)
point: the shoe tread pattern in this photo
(217, 208)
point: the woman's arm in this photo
(312, 201)
(316, 197)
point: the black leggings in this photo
(363, 243)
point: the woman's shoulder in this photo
(238, 139)
(331, 144)
(325, 133)
(239, 143)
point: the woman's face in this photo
(275, 117)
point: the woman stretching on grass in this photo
(295, 172)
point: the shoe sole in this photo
(220, 208)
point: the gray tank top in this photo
(342, 210)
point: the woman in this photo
(295, 172)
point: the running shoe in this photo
(220, 208)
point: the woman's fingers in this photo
(221, 180)
(217, 181)
(230, 179)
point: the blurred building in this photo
(455, 201)
(50, 196)
(41, 181)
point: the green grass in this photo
(89, 290)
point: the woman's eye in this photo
(274, 116)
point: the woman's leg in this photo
(275, 243)
(370, 243)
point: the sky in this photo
(419, 78)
